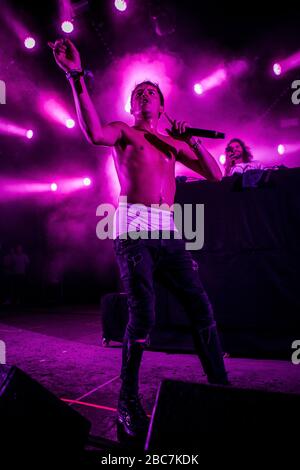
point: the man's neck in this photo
(147, 124)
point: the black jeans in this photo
(138, 262)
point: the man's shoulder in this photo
(119, 124)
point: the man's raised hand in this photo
(66, 55)
(178, 130)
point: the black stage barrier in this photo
(249, 264)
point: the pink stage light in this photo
(120, 5)
(57, 112)
(198, 89)
(53, 187)
(289, 63)
(222, 159)
(87, 181)
(7, 127)
(67, 26)
(70, 123)
(70, 185)
(29, 134)
(15, 188)
(277, 69)
(128, 105)
(29, 42)
(281, 149)
(212, 81)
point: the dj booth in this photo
(249, 265)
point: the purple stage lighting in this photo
(56, 111)
(120, 5)
(87, 182)
(198, 88)
(29, 42)
(70, 123)
(67, 27)
(281, 149)
(222, 159)
(29, 134)
(217, 78)
(53, 187)
(277, 69)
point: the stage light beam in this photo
(53, 187)
(70, 123)
(198, 89)
(29, 42)
(120, 5)
(67, 26)
(281, 149)
(87, 181)
(222, 159)
(216, 79)
(29, 134)
(277, 69)
(56, 110)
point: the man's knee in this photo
(139, 332)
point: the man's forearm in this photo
(207, 163)
(86, 112)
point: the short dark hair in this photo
(155, 85)
(247, 155)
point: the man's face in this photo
(234, 152)
(146, 100)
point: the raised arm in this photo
(68, 59)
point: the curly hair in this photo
(246, 155)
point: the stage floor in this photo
(61, 348)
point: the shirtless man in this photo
(145, 163)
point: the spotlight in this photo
(67, 27)
(29, 42)
(56, 110)
(53, 187)
(87, 182)
(128, 105)
(277, 69)
(222, 159)
(29, 134)
(120, 5)
(198, 88)
(281, 149)
(70, 123)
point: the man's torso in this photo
(145, 164)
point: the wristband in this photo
(76, 74)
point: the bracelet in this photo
(196, 144)
(76, 74)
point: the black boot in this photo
(131, 417)
(209, 351)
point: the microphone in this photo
(198, 132)
(209, 134)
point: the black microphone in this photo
(204, 133)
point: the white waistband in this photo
(138, 217)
